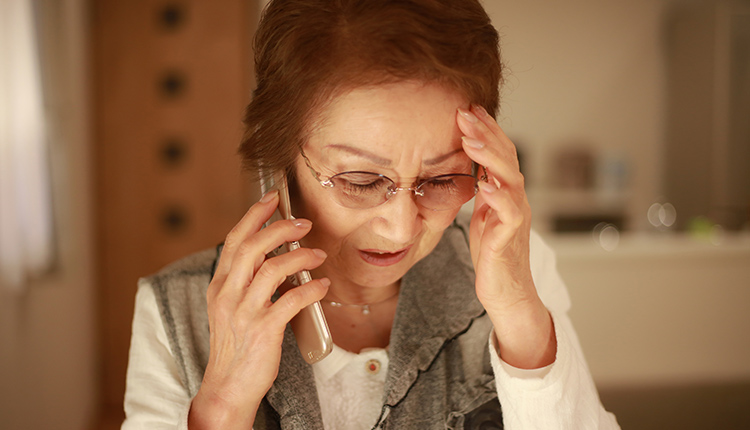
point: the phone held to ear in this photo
(309, 325)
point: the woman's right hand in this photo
(246, 328)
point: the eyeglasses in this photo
(364, 190)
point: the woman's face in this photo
(405, 131)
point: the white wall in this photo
(586, 71)
(47, 350)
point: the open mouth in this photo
(379, 257)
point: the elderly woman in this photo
(379, 112)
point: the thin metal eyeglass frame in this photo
(391, 191)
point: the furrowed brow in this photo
(384, 162)
(441, 158)
(374, 158)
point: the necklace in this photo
(365, 308)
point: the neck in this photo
(361, 296)
(346, 292)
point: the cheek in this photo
(435, 224)
(331, 222)
(439, 220)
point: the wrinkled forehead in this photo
(333, 97)
(389, 124)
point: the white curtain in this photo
(26, 242)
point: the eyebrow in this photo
(384, 162)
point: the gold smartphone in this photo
(309, 325)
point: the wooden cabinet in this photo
(171, 79)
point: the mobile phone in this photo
(309, 325)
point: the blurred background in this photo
(119, 123)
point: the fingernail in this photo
(302, 223)
(320, 253)
(267, 197)
(472, 143)
(487, 188)
(468, 115)
(480, 111)
(325, 281)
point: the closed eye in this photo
(443, 183)
(361, 182)
(451, 184)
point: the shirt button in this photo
(372, 366)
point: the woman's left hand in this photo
(499, 241)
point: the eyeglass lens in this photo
(366, 190)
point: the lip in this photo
(379, 257)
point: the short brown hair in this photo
(308, 51)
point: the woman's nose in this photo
(398, 219)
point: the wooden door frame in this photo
(138, 195)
